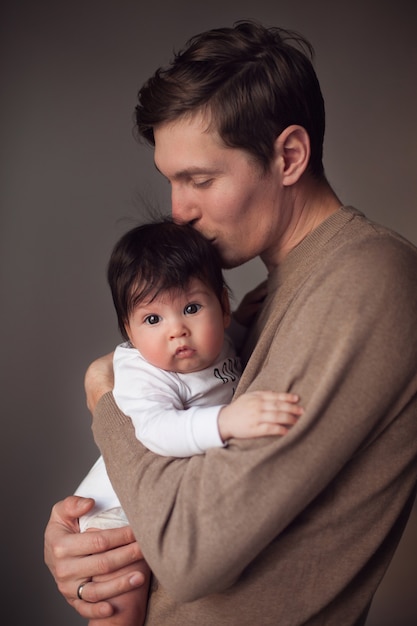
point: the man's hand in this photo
(75, 558)
(98, 380)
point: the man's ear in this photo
(226, 308)
(292, 149)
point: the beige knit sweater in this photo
(296, 530)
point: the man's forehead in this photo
(175, 140)
(187, 157)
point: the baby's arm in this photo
(151, 397)
(258, 414)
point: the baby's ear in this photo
(129, 334)
(227, 315)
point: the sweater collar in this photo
(309, 249)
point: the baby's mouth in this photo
(184, 352)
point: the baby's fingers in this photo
(292, 398)
(287, 408)
(279, 414)
(267, 428)
(281, 403)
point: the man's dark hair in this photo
(160, 257)
(251, 81)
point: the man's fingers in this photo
(99, 541)
(94, 604)
(97, 591)
(107, 555)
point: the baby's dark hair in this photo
(158, 257)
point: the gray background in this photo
(73, 179)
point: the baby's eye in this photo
(152, 319)
(190, 309)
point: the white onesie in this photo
(173, 415)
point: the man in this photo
(293, 530)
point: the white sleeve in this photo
(97, 485)
(151, 398)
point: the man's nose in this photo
(182, 206)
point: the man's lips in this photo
(184, 352)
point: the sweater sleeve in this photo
(347, 345)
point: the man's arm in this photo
(189, 514)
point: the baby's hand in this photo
(258, 414)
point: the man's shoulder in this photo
(370, 249)
(361, 227)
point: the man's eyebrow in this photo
(191, 171)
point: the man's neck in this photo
(307, 206)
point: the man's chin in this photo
(231, 261)
(228, 262)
